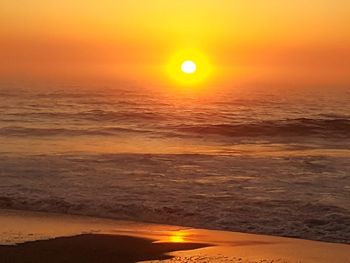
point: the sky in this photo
(245, 41)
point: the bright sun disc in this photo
(188, 67)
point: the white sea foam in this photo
(301, 196)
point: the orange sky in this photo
(300, 42)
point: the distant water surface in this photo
(264, 161)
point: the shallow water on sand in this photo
(256, 161)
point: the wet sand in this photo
(43, 237)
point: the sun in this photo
(188, 67)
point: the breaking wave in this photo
(294, 127)
(329, 128)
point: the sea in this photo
(258, 160)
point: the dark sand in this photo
(91, 248)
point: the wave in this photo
(92, 115)
(26, 131)
(99, 115)
(292, 127)
(295, 196)
(323, 222)
(324, 128)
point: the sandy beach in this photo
(44, 237)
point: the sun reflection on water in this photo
(177, 237)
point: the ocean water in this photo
(252, 160)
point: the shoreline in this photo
(36, 230)
(293, 197)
